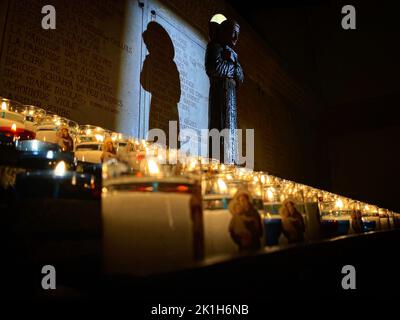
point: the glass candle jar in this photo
(33, 116)
(370, 217)
(229, 196)
(384, 221)
(152, 221)
(312, 213)
(48, 130)
(272, 202)
(90, 133)
(335, 215)
(12, 123)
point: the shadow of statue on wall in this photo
(160, 77)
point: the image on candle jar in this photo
(245, 227)
(292, 222)
(219, 190)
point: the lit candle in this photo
(157, 236)
(4, 106)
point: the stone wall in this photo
(92, 70)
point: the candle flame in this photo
(222, 186)
(270, 195)
(339, 204)
(60, 168)
(153, 167)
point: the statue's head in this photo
(229, 33)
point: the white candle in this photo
(146, 233)
(217, 239)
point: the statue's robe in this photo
(225, 75)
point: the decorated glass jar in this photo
(152, 219)
(231, 196)
(12, 123)
(370, 217)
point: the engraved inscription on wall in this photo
(89, 68)
(76, 70)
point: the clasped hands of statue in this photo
(228, 54)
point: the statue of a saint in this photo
(225, 73)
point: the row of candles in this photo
(216, 177)
(17, 117)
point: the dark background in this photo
(354, 74)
